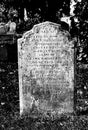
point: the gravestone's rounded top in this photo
(47, 24)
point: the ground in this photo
(9, 104)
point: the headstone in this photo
(12, 27)
(46, 70)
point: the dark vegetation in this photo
(9, 90)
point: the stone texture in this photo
(46, 70)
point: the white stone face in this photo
(46, 70)
(12, 27)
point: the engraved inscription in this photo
(46, 69)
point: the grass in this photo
(66, 122)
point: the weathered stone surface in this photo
(46, 70)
